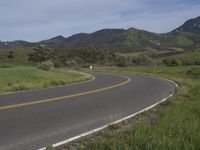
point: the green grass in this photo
(157, 55)
(131, 54)
(145, 52)
(173, 125)
(17, 78)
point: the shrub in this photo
(45, 65)
(57, 64)
(19, 87)
(121, 61)
(144, 61)
(172, 62)
(40, 54)
(197, 62)
(10, 55)
(187, 62)
(57, 83)
(71, 63)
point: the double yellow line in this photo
(128, 80)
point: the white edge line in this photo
(158, 77)
(68, 84)
(113, 123)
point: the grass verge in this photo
(173, 125)
(18, 78)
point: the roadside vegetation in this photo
(76, 58)
(17, 78)
(80, 58)
(174, 124)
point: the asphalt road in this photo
(34, 119)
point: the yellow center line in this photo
(66, 97)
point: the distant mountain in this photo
(110, 39)
(191, 26)
(56, 42)
(104, 39)
(121, 40)
(15, 44)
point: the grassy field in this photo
(173, 125)
(150, 52)
(17, 78)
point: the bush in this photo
(45, 65)
(71, 63)
(40, 54)
(144, 61)
(19, 87)
(57, 64)
(187, 61)
(197, 62)
(10, 55)
(172, 62)
(121, 61)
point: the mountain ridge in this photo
(123, 40)
(191, 26)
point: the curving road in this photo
(34, 119)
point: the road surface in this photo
(34, 119)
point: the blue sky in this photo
(35, 20)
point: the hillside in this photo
(191, 26)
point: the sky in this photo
(35, 20)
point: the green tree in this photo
(40, 54)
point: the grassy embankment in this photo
(17, 78)
(173, 125)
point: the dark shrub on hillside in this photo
(10, 55)
(121, 61)
(57, 64)
(172, 62)
(77, 57)
(81, 56)
(40, 54)
(197, 62)
(187, 62)
(152, 53)
(46, 65)
(71, 63)
(143, 61)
